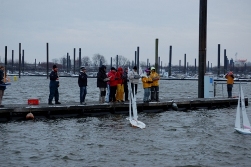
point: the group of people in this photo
(115, 81)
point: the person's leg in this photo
(81, 94)
(152, 93)
(132, 86)
(100, 95)
(148, 90)
(126, 92)
(145, 95)
(157, 93)
(136, 88)
(117, 92)
(85, 92)
(229, 89)
(57, 96)
(52, 93)
(103, 94)
(1, 96)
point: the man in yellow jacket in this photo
(146, 80)
(155, 85)
(230, 81)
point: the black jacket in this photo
(1, 78)
(53, 79)
(82, 79)
(101, 75)
(125, 78)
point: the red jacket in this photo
(112, 81)
(119, 75)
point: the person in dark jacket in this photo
(102, 83)
(54, 84)
(82, 83)
(2, 88)
(125, 78)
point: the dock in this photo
(19, 111)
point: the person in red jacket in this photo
(120, 85)
(113, 84)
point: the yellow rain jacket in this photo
(230, 78)
(147, 81)
(155, 77)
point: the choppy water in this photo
(171, 138)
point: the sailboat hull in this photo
(138, 124)
(243, 131)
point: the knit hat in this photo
(113, 68)
(82, 68)
(54, 66)
(135, 68)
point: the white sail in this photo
(133, 106)
(246, 123)
(238, 115)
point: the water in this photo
(171, 138)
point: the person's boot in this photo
(57, 102)
(50, 103)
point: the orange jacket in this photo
(155, 77)
(147, 81)
(230, 78)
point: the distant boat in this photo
(242, 124)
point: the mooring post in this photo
(138, 59)
(19, 68)
(12, 61)
(195, 66)
(135, 58)
(117, 61)
(202, 46)
(74, 60)
(23, 62)
(185, 59)
(5, 62)
(156, 54)
(47, 60)
(170, 61)
(218, 60)
(79, 59)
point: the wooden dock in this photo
(19, 112)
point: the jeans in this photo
(229, 90)
(53, 93)
(83, 92)
(146, 94)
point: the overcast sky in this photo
(118, 27)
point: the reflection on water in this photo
(201, 137)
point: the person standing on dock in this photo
(82, 83)
(230, 81)
(54, 84)
(147, 81)
(113, 84)
(125, 80)
(102, 83)
(2, 88)
(134, 79)
(120, 85)
(155, 85)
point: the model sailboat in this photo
(133, 109)
(242, 124)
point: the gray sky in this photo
(118, 27)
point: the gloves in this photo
(106, 79)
